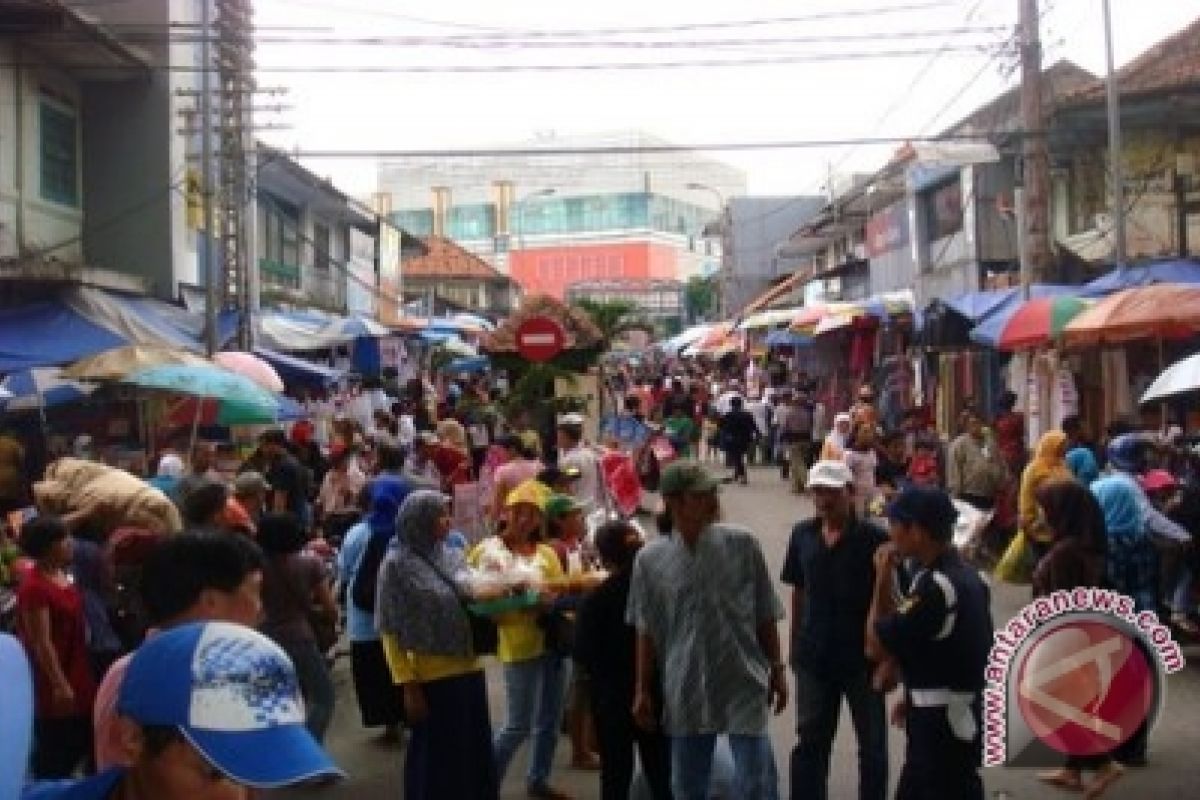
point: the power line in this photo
(645, 29)
(490, 69)
(797, 144)
(508, 43)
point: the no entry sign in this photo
(540, 339)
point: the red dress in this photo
(69, 638)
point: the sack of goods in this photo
(124, 500)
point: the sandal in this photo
(1065, 779)
(1106, 777)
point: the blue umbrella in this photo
(1173, 271)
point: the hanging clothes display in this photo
(1116, 397)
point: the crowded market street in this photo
(770, 510)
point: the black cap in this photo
(927, 507)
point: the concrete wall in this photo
(135, 160)
(28, 221)
(757, 226)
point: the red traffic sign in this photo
(540, 339)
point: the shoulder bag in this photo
(485, 637)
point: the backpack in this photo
(366, 578)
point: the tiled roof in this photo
(1173, 63)
(1060, 80)
(444, 259)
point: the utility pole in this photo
(1116, 168)
(235, 69)
(210, 184)
(1035, 150)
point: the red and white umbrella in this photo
(252, 367)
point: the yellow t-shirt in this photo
(520, 636)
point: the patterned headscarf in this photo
(416, 601)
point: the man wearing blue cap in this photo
(938, 637)
(208, 711)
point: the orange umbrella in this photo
(1158, 311)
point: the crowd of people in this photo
(597, 627)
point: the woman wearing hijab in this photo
(1083, 465)
(380, 702)
(1132, 563)
(837, 440)
(1076, 560)
(1048, 464)
(427, 639)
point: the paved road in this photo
(766, 507)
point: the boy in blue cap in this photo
(209, 711)
(938, 637)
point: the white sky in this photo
(797, 101)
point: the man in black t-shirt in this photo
(288, 478)
(830, 567)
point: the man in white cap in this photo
(574, 453)
(830, 567)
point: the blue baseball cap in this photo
(234, 696)
(930, 508)
(16, 723)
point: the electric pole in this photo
(209, 179)
(1116, 167)
(1035, 151)
(235, 71)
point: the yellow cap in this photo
(532, 492)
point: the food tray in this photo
(500, 605)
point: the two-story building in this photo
(56, 66)
(440, 277)
(317, 247)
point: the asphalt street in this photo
(766, 507)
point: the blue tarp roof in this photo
(977, 305)
(786, 338)
(297, 370)
(1176, 271)
(48, 334)
(992, 325)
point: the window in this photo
(943, 210)
(280, 265)
(59, 153)
(321, 241)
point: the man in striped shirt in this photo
(706, 611)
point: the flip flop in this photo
(1060, 780)
(1104, 779)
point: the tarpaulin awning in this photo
(146, 321)
(977, 305)
(297, 370)
(1175, 271)
(49, 334)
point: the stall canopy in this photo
(296, 370)
(1175, 271)
(50, 333)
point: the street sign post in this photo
(540, 339)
